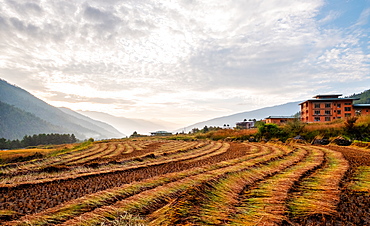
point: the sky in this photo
(184, 61)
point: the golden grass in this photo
(11, 154)
(218, 194)
(229, 133)
(324, 126)
(149, 199)
(81, 171)
(265, 204)
(361, 181)
(319, 193)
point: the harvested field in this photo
(161, 182)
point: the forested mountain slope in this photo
(15, 123)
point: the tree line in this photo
(40, 139)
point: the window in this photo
(316, 112)
(339, 112)
(327, 119)
(347, 108)
(339, 117)
(327, 112)
(347, 103)
(317, 105)
(327, 105)
(347, 115)
(317, 119)
(338, 105)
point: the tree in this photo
(268, 131)
(3, 143)
(294, 127)
(73, 139)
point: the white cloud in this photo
(177, 59)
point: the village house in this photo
(326, 108)
(279, 119)
(161, 133)
(245, 124)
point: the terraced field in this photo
(159, 182)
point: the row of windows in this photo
(328, 118)
(328, 112)
(328, 105)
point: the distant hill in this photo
(53, 118)
(364, 97)
(97, 125)
(129, 125)
(287, 109)
(15, 123)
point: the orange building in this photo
(326, 108)
(362, 109)
(278, 119)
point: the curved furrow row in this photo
(83, 155)
(213, 152)
(237, 154)
(30, 166)
(318, 194)
(109, 149)
(182, 147)
(213, 202)
(265, 202)
(354, 204)
(120, 149)
(150, 200)
(60, 190)
(193, 153)
(47, 174)
(65, 158)
(140, 158)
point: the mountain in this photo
(287, 109)
(93, 124)
(129, 125)
(56, 119)
(15, 123)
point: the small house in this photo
(161, 133)
(279, 119)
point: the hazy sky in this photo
(184, 61)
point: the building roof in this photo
(361, 105)
(245, 122)
(329, 99)
(277, 117)
(327, 96)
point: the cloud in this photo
(72, 98)
(161, 53)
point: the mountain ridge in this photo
(129, 125)
(23, 100)
(287, 109)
